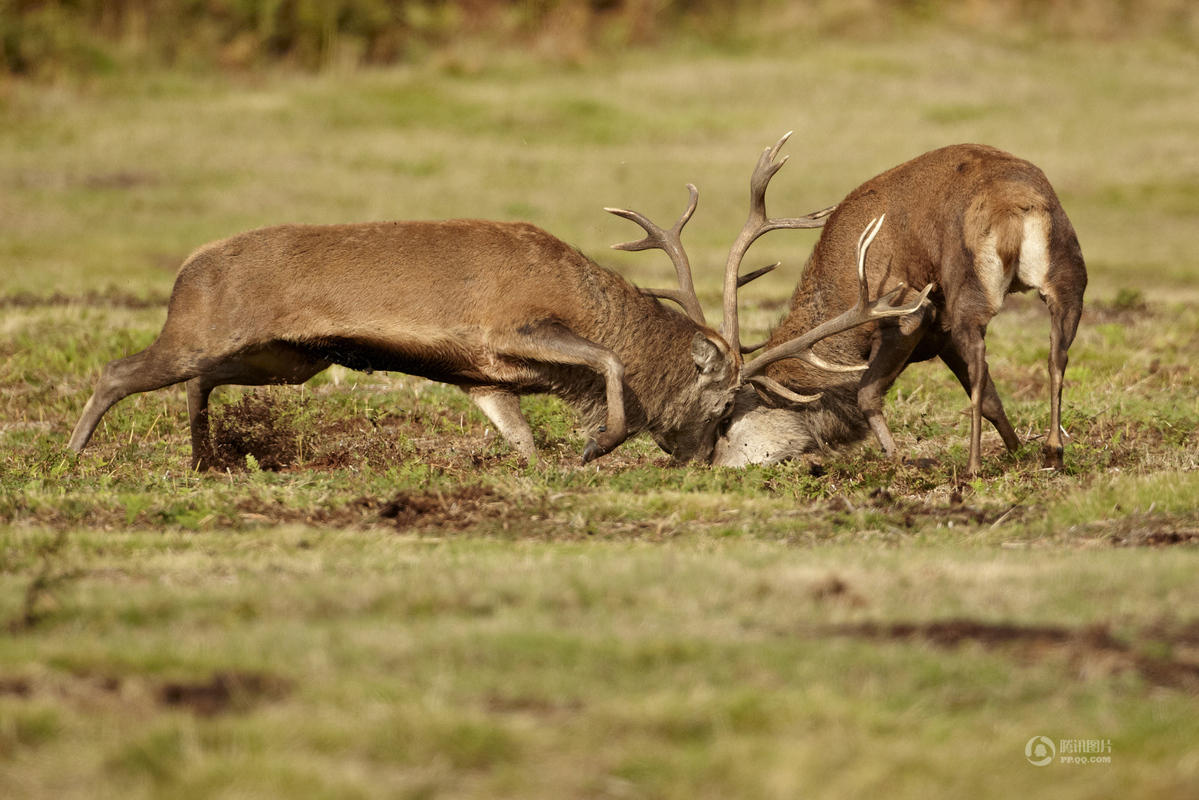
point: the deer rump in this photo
(976, 222)
(499, 309)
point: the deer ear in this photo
(706, 354)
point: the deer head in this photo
(718, 397)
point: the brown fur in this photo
(944, 210)
(499, 309)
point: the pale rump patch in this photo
(1034, 252)
(1032, 267)
(989, 268)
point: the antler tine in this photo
(670, 241)
(778, 390)
(757, 273)
(864, 241)
(862, 312)
(757, 224)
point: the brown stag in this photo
(498, 309)
(972, 222)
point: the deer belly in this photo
(440, 361)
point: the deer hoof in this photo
(1053, 458)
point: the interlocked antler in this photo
(862, 312)
(757, 224)
(671, 242)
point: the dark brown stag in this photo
(973, 222)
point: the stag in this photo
(498, 309)
(973, 223)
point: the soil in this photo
(111, 297)
(1089, 650)
(223, 692)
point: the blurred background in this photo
(46, 38)
(132, 131)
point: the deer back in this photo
(441, 295)
(943, 209)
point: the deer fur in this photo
(977, 222)
(498, 309)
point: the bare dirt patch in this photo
(15, 687)
(835, 589)
(912, 512)
(111, 297)
(1090, 650)
(455, 510)
(257, 426)
(451, 510)
(1147, 530)
(224, 692)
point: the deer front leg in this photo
(554, 343)
(889, 353)
(503, 409)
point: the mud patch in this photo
(258, 426)
(834, 589)
(912, 513)
(106, 298)
(455, 510)
(1089, 650)
(121, 179)
(1149, 530)
(224, 692)
(15, 687)
(528, 704)
(452, 510)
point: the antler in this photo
(862, 312)
(757, 224)
(671, 242)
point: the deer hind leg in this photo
(553, 343)
(889, 353)
(153, 368)
(970, 341)
(1063, 324)
(503, 409)
(276, 363)
(992, 406)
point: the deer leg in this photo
(198, 390)
(152, 368)
(992, 406)
(554, 343)
(503, 409)
(275, 364)
(970, 341)
(889, 353)
(1063, 324)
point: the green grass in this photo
(404, 609)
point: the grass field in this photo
(380, 600)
